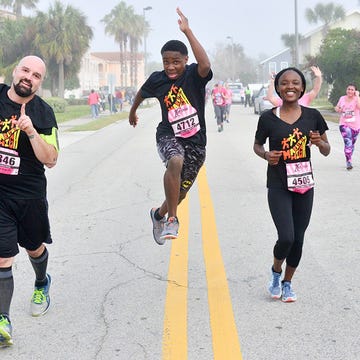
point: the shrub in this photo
(58, 104)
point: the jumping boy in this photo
(181, 134)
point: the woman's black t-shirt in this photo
(291, 139)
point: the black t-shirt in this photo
(181, 101)
(22, 175)
(291, 139)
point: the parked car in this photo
(260, 102)
(236, 96)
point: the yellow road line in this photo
(175, 320)
(224, 333)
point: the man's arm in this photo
(197, 49)
(46, 153)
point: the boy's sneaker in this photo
(288, 294)
(5, 331)
(275, 285)
(40, 301)
(171, 228)
(158, 227)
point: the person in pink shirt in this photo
(348, 107)
(93, 101)
(228, 102)
(306, 99)
(218, 95)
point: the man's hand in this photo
(24, 122)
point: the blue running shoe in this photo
(158, 227)
(275, 285)
(40, 301)
(5, 331)
(288, 294)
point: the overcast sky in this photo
(256, 25)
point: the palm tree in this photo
(17, 5)
(16, 40)
(290, 42)
(63, 38)
(139, 29)
(126, 27)
(327, 14)
(117, 23)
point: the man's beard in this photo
(22, 91)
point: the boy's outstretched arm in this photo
(133, 118)
(197, 49)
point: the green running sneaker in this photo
(5, 331)
(40, 301)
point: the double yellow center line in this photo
(225, 339)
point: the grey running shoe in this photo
(5, 331)
(158, 226)
(171, 228)
(288, 294)
(40, 301)
(275, 285)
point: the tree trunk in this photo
(61, 79)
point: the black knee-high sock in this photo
(39, 265)
(6, 290)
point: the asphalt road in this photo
(110, 290)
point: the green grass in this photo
(322, 104)
(73, 112)
(101, 122)
(82, 111)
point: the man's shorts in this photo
(193, 155)
(24, 223)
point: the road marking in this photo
(224, 333)
(175, 319)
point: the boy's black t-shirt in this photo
(183, 98)
(22, 175)
(291, 139)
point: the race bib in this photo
(184, 121)
(9, 162)
(349, 116)
(299, 177)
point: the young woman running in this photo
(290, 130)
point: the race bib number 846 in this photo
(9, 162)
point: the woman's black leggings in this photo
(291, 214)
